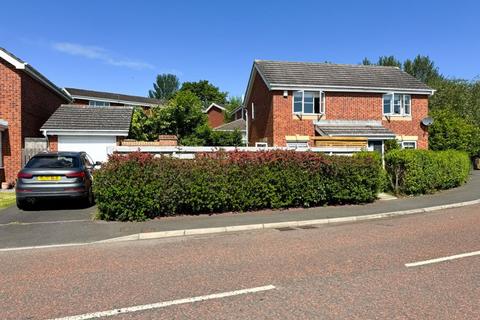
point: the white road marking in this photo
(45, 246)
(457, 256)
(114, 312)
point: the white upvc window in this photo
(261, 144)
(308, 102)
(395, 104)
(408, 144)
(97, 103)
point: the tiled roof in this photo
(239, 124)
(340, 75)
(77, 117)
(112, 96)
(353, 128)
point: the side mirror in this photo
(97, 165)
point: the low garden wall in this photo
(138, 186)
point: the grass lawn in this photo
(7, 199)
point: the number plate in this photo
(48, 178)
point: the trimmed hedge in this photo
(425, 171)
(138, 186)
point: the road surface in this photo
(380, 269)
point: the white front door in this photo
(95, 146)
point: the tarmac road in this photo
(346, 271)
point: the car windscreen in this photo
(50, 162)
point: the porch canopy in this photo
(372, 130)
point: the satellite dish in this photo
(428, 121)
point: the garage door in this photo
(95, 146)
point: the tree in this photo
(206, 92)
(451, 131)
(205, 136)
(142, 126)
(389, 61)
(182, 115)
(366, 62)
(164, 87)
(422, 68)
(232, 104)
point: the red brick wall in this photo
(53, 143)
(338, 106)
(260, 128)
(10, 106)
(26, 104)
(38, 104)
(215, 117)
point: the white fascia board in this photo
(214, 105)
(350, 89)
(67, 132)
(251, 80)
(14, 62)
(132, 103)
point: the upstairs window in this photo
(97, 103)
(395, 104)
(308, 102)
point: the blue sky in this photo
(120, 46)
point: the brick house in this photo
(27, 99)
(110, 99)
(297, 104)
(215, 114)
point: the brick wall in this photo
(215, 117)
(260, 128)
(338, 106)
(25, 104)
(10, 107)
(53, 143)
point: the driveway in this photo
(54, 211)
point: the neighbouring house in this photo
(27, 99)
(239, 113)
(109, 99)
(215, 114)
(95, 130)
(239, 125)
(297, 104)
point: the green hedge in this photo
(138, 186)
(425, 171)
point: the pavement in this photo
(337, 271)
(62, 223)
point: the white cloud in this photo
(98, 53)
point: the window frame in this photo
(98, 103)
(408, 141)
(321, 100)
(401, 100)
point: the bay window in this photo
(395, 104)
(308, 102)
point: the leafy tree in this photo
(232, 104)
(422, 68)
(142, 126)
(366, 62)
(452, 131)
(182, 115)
(164, 87)
(205, 136)
(389, 61)
(206, 92)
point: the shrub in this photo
(425, 171)
(139, 186)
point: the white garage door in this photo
(95, 146)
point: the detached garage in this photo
(95, 130)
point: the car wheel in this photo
(22, 204)
(90, 201)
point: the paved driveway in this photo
(52, 211)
